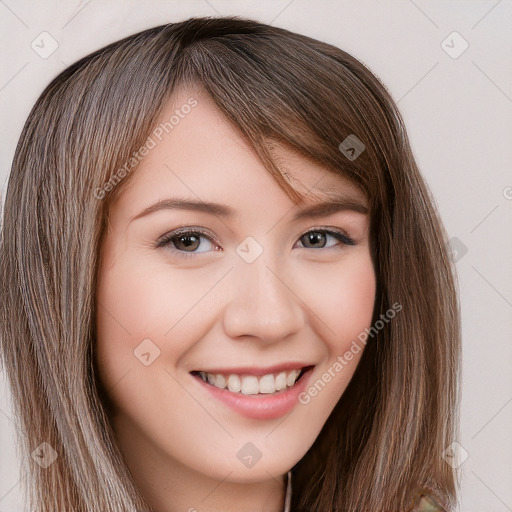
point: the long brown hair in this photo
(384, 440)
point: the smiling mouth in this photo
(271, 383)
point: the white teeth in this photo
(250, 384)
(281, 381)
(234, 383)
(292, 377)
(267, 384)
(220, 381)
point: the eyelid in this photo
(188, 229)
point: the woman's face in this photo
(265, 288)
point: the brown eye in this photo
(317, 239)
(314, 239)
(187, 242)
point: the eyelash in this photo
(166, 240)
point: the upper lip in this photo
(257, 370)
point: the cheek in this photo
(342, 310)
(352, 306)
(140, 301)
(140, 313)
(130, 306)
(343, 300)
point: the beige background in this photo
(459, 116)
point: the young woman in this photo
(224, 284)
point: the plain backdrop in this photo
(457, 104)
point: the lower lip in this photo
(260, 406)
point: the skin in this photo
(213, 309)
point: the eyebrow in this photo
(331, 206)
(321, 209)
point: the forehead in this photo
(198, 151)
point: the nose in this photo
(262, 303)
